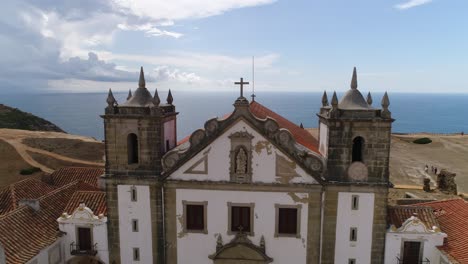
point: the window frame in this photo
(205, 218)
(354, 206)
(298, 207)
(136, 254)
(351, 237)
(135, 225)
(133, 194)
(252, 212)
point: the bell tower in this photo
(355, 137)
(137, 134)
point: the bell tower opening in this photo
(132, 148)
(358, 145)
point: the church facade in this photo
(249, 188)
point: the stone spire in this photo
(369, 99)
(334, 101)
(141, 81)
(324, 99)
(385, 101)
(111, 102)
(156, 100)
(301, 126)
(354, 80)
(169, 99)
(129, 94)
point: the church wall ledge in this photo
(270, 187)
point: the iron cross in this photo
(241, 83)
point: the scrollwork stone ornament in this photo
(170, 160)
(211, 126)
(197, 137)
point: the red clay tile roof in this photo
(452, 216)
(31, 188)
(301, 135)
(25, 232)
(66, 175)
(94, 200)
(397, 215)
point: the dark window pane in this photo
(287, 220)
(195, 217)
(240, 218)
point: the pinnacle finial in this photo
(324, 99)
(169, 99)
(156, 100)
(354, 80)
(369, 99)
(129, 94)
(219, 242)
(301, 126)
(110, 99)
(334, 101)
(141, 81)
(385, 101)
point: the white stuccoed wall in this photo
(140, 210)
(195, 248)
(56, 249)
(323, 145)
(362, 219)
(263, 163)
(394, 243)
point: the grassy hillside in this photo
(16, 119)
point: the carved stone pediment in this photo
(240, 249)
(310, 161)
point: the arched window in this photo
(358, 146)
(132, 148)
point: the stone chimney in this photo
(446, 182)
(427, 185)
(32, 203)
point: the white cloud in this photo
(164, 73)
(412, 3)
(182, 9)
(150, 29)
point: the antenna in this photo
(253, 79)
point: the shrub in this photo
(424, 140)
(29, 171)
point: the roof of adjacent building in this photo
(24, 232)
(94, 200)
(452, 216)
(31, 188)
(66, 175)
(397, 215)
(301, 135)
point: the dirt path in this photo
(15, 137)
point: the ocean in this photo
(78, 113)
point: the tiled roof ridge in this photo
(13, 196)
(442, 201)
(53, 192)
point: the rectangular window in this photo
(355, 202)
(240, 218)
(287, 221)
(134, 225)
(133, 194)
(167, 145)
(353, 234)
(195, 217)
(352, 261)
(136, 254)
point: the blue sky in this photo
(299, 45)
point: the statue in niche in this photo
(241, 162)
